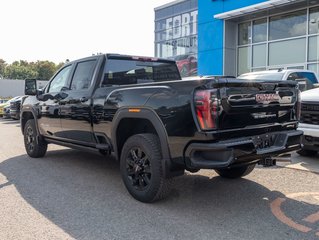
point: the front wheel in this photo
(35, 148)
(142, 168)
(236, 172)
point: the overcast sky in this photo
(57, 30)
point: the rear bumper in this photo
(241, 150)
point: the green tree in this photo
(17, 71)
(45, 69)
(42, 70)
(3, 65)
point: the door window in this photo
(60, 80)
(83, 75)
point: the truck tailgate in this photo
(247, 103)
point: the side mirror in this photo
(30, 87)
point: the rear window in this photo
(262, 76)
(123, 72)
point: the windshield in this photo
(262, 76)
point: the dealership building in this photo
(231, 37)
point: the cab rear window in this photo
(124, 72)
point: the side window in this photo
(83, 75)
(60, 80)
(293, 76)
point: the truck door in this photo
(76, 117)
(49, 110)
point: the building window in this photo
(176, 35)
(287, 26)
(314, 20)
(244, 60)
(260, 30)
(313, 50)
(244, 33)
(313, 67)
(287, 52)
(259, 55)
(281, 41)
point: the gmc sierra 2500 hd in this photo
(158, 125)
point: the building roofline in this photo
(168, 4)
(254, 8)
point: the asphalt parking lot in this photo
(70, 194)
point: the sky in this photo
(57, 30)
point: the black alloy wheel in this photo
(35, 147)
(142, 168)
(138, 169)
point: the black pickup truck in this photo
(156, 124)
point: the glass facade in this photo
(288, 40)
(176, 35)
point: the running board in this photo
(95, 148)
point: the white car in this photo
(309, 122)
(306, 79)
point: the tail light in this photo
(206, 106)
(298, 106)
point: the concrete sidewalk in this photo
(310, 164)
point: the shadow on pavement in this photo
(83, 194)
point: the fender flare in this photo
(33, 112)
(144, 113)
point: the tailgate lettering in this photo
(267, 97)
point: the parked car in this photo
(309, 122)
(156, 124)
(6, 112)
(4, 105)
(306, 79)
(3, 100)
(15, 106)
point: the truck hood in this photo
(310, 95)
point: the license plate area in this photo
(264, 141)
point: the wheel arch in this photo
(25, 116)
(144, 120)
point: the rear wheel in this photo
(236, 172)
(142, 168)
(34, 146)
(307, 153)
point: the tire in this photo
(35, 147)
(307, 153)
(142, 168)
(236, 172)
